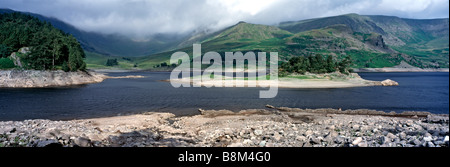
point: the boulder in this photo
(389, 82)
(48, 143)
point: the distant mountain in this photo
(424, 39)
(112, 45)
(372, 41)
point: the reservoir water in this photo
(417, 92)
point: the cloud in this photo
(142, 18)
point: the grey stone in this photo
(415, 142)
(428, 139)
(262, 144)
(314, 140)
(48, 143)
(402, 135)
(362, 144)
(83, 142)
(357, 141)
(235, 145)
(391, 136)
(301, 138)
(277, 137)
(258, 132)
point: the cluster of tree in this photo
(164, 64)
(315, 64)
(50, 48)
(6, 63)
(112, 62)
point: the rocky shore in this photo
(40, 79)
(271, 127)
(306, 81)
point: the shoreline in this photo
(388, 70)
(312, 81)
(53, 79)
(357, 70)
(47, 79)
(270, 127)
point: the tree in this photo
(344, 65)
(330, 65)
(315, 64)
(6, 63)
(50, 48)
(112, 62)
(4, 51)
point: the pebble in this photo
(357, 141)
(363, 131)
(262, 143)
(428, 138)
(258, 132)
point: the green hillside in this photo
(424, 41)
(338, 41)
(29, 43)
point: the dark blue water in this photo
(417, 92)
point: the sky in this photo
(140, 19)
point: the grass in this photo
(326, 41)
(97, 61)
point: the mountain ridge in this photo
(374, 40)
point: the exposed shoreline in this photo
(51, 79)
(43, 79)
(357, 70)
(387, 70)
(323, 81)
(271, 127)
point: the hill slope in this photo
(368, 50)
(426, 40)
(111, 45)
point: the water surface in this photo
(417, 92)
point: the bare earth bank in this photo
(307, 81)
(37, 79)
(41, 79)
(271, 127)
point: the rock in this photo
(277, 136)
(247, 142)
(415, 142)
(332, 127)
(389, 82)
(446, 140)
(362, 144)
(355, 127)
(334, 134)
(383, 139)
(309, 133)
(83, 142)
(235, 145)
(258, 132)
(262, 144)
(339, 140)
(357, 141)
(428, 139)
(402, 135)
(391, 136)
(214, 113)
(301, 138)
(314, 140)
(430, 144)
(48, 143)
